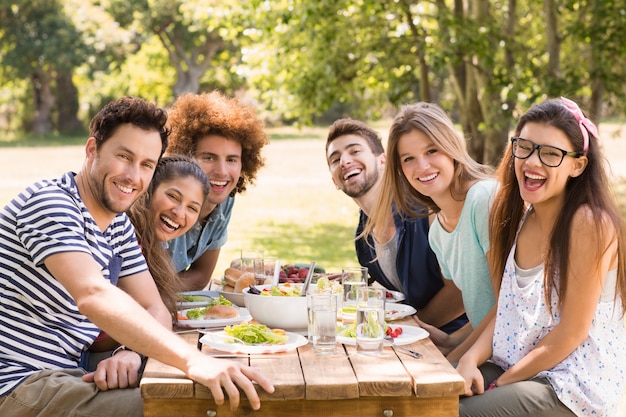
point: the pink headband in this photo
(586, 125)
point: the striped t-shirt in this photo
(40, 325)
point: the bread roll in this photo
(221, 312)
(245, 280)
(231, 275)
(228, 288)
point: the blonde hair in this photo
(396, 192)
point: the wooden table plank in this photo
(287, 378)
(328, 377)
(368, 370)
(435, 377)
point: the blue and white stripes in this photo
(40, 325)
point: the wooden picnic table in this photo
(307, 384)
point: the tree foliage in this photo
(309, 61)
(41, 44)
(197, 35)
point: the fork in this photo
(413, 353)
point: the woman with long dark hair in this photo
(557, 346)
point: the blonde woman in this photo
(428, 166)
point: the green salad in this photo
(371, 328)
(194, 298)
(324, 284)
(256, 334)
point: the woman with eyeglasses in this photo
(428, 166)
(557, 346)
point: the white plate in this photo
(244, 315)
(234, 297)
(209, 295)
(410, 334)
(395, 296)
(395, 311)
(220, 341)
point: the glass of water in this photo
(252, 261)
(370, 320)
(322, 314)
(352, 278)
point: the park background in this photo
(302, 64)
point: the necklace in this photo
(448, 225)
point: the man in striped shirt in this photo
(70, 267)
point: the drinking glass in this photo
(252, 261)
(370, 320)
(269, 265)
(352, 278)
(322, 314)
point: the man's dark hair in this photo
(344, 127)
(128, 110)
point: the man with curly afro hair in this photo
(226, 138)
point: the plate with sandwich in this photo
(218, 315)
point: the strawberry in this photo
(303, 272)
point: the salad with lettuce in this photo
(256, 334)
(371, 328)
(290, 290)
(324, 285)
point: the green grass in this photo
(31, 141)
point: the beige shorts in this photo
(62, 393)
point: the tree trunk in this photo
(188, 81)
(419, 35)
(190, 64)
(67, 121)
(555, 83)
(44, 102)
(596, 72)
(552, 39)
(496, 113)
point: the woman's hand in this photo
(474, 381)
(441, 339)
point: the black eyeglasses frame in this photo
(516, 139)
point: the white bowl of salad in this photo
(278, 307)
(282, 306)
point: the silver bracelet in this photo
(117, 349)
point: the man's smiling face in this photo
(220, 159)
(353, 166)
(122, 168)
